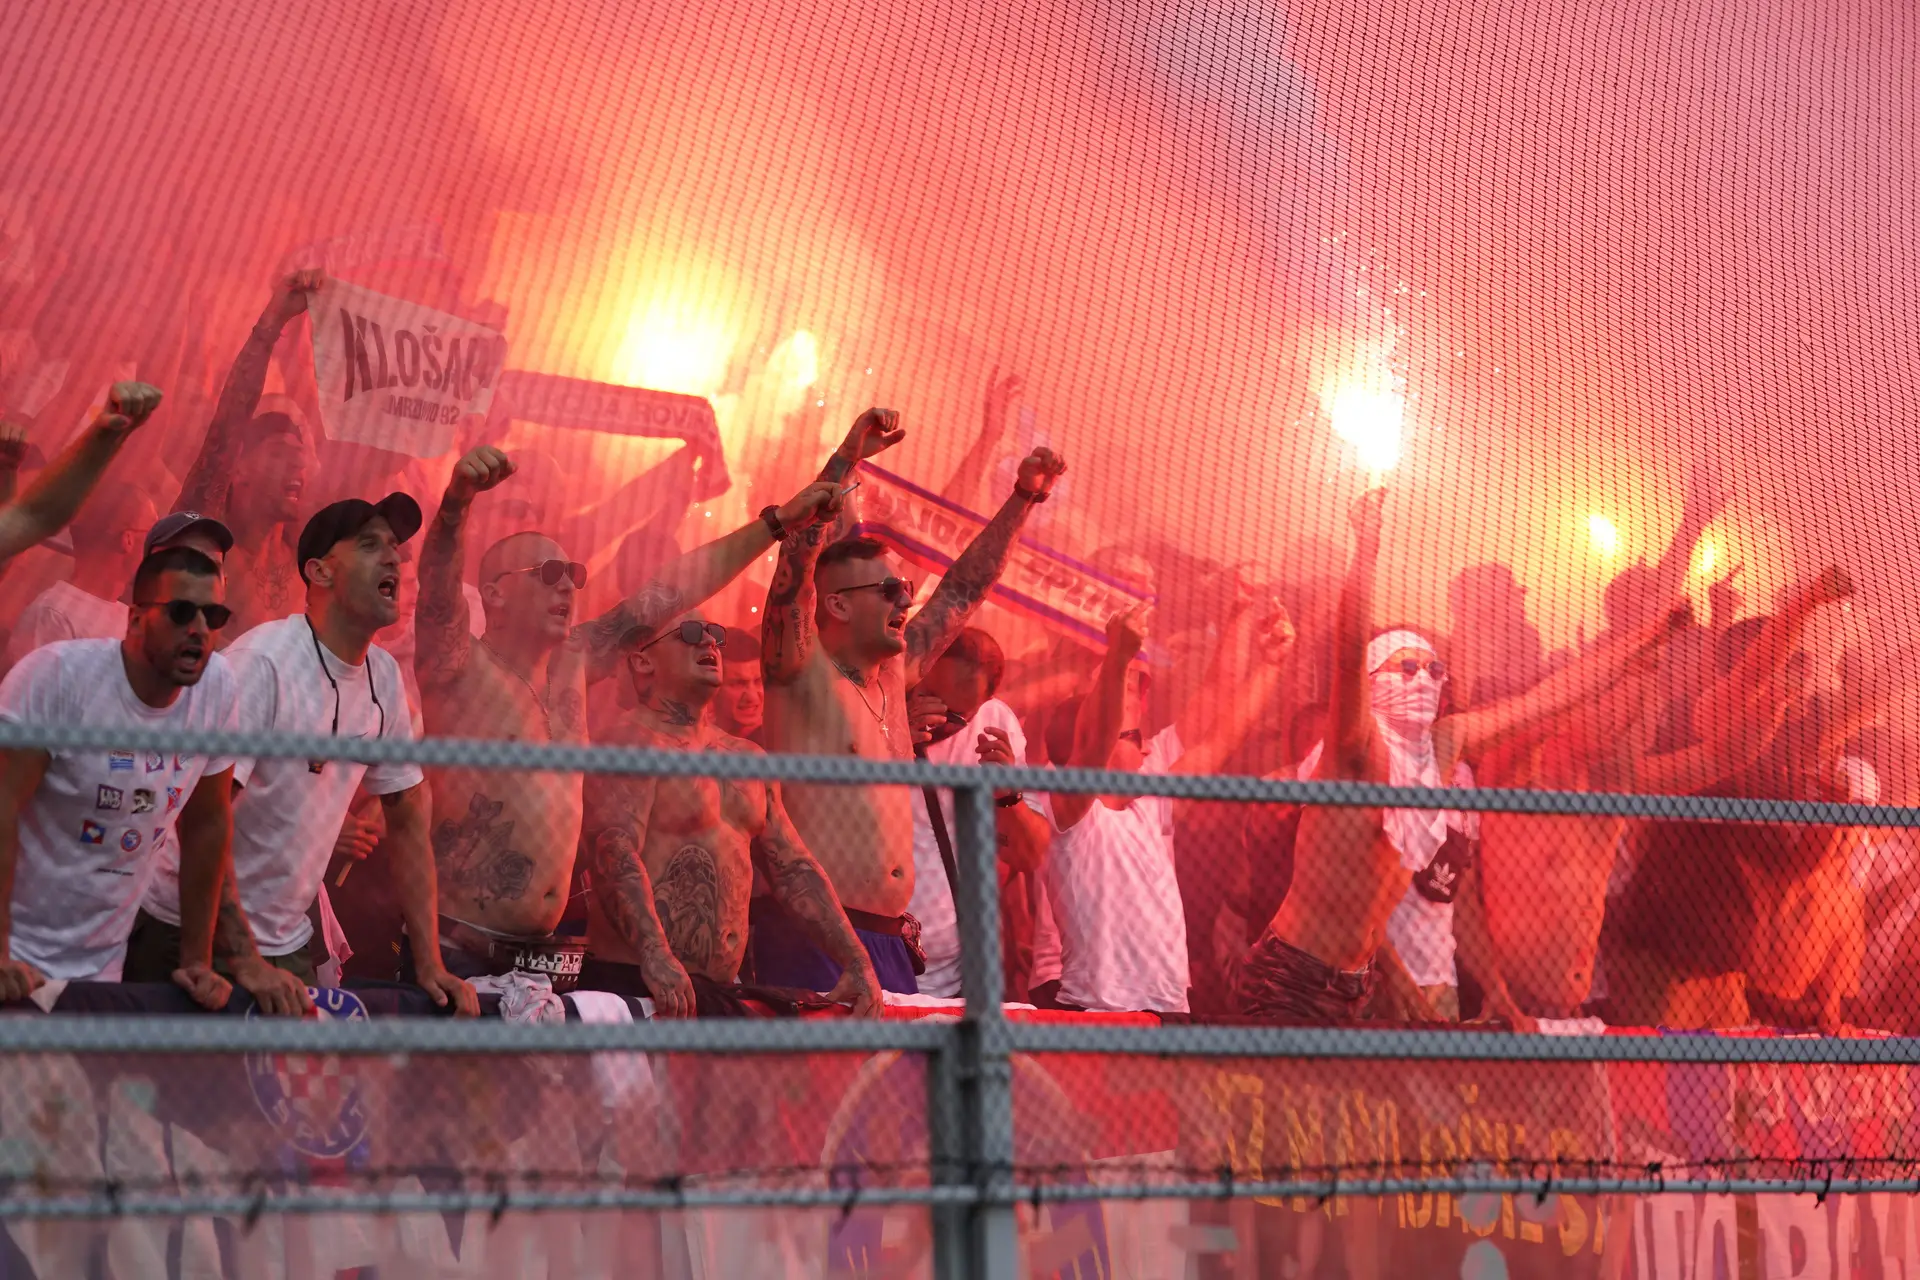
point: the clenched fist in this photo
(291, 295)
(128, 405)
(815, 504)
(482, 469)
(1127, 631)
(873, 432)
(1038, 471)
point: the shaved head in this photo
(518, 551)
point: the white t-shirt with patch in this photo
(93, 835)
(65, 612)
(1116, 902)
(932, 903)
(287, 817)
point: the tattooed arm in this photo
(417, 887)
(801, 887)
(210, 914)
(442, 627)
(210, 480)
(694, 578)
(966, 584)
(787, 629)
(617, 812)
(50, 503)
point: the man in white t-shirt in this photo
(1110, 883)
(979, 729)
(82, 832)
(319, 673)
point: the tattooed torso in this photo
(262, 585)
(863, 836)
(503, 843)
(694, 838)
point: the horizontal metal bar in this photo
(1411, 1044)
(136, 1033)
(468, 753)
(189, 1204)
(105, 1205)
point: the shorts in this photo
(782, 955)
(153, 953)
(1286, 984)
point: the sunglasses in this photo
(690, 633)
(1134, 736)
(1411, 667)
(552, 571)
(181, 613)
(898, 591)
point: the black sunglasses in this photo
(182, 612)
(690, 632)
(1135, 737)
(1411, 667)
(898, 591)
(552, 571)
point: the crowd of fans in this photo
(254, 605)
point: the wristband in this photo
(1032, 497)
(1009, 800)
(771, 515)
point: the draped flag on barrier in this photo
(398, 375)
(931, 531)
(265, 1126)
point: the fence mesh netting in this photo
(1457, 395)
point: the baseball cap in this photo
(168, 530)
(343, 519)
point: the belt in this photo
(557, 958)
(892, 926)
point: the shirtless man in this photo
(673, 859)
(251, 474)
(1317, 959)
(504, 842)
(838, 655)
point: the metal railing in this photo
(975, 1185)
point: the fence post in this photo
(972, 1089)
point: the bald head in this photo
(525, 607)
(527, 550)
(114, 512)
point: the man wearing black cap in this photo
(319, 673)
(252, 470)
(191, 529)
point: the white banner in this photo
(397, 375)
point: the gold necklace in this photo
(880, 716)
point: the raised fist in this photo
(13, 445)
(1833, 585)
(1001, 395)
(1038, 471)
(128, 405)
(1365, 516)
(290, 297)
(1276, 636)
(482, 469)
(873, 432)
(818, 502)
(1127, 631)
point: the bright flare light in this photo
(797, 360)
(1604, 534)
(1709, 559)
(1370, 419)
(674, 348)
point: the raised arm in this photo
(801, 887)
(1243, 677)
(1705, 500)
(1468, 733)
(660, 492)
(966, 584)
(970, 476)
(209, 481)
(443, 629)
(56, 494)
(615, 830)
(696, 576)
(20, 775)
(1098, 725)
(1350, 718)
(787, 628)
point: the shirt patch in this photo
(155, 762)
(130, 841)
(120, 761)
(92, 832)
(107, 798)
(173, 798)
(142, 801)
